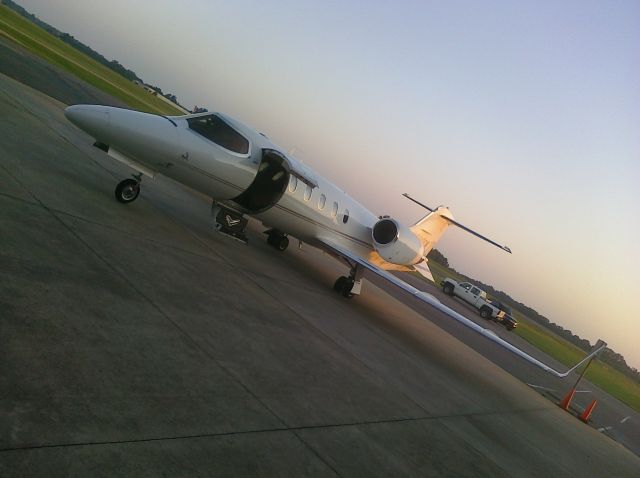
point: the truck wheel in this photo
(447, 289)
(485, 313)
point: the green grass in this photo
(55, 51)
(607, 378)
(548, 342)
(441, 272)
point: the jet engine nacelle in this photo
(396, 243)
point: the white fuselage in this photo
(302, 216)
(299, 211)
(311, 208)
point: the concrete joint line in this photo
(278, 429)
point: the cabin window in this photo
(345, 217)
(322, 201)
(293, 183)
(465, 285)
(475, 291)
(215, 129)
(307, 193)
(334, 209)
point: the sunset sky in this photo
(522, 117)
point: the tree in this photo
(438, 257)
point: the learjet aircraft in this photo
(246, 174)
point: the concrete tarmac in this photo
(136, 341)
(611, 417)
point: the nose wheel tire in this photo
(127, 190)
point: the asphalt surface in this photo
(136, 341)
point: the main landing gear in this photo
(128, 190)
(229, 222)
(277, 239)
(349, 286)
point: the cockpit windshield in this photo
(217, 130)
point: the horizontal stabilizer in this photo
(461, 226)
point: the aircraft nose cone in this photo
(72, 111)
(77, 113)
(91, 118)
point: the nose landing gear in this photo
(229, 222)
(128, 190)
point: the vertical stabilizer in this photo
(431, 227)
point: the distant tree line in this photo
(437, 256)
(90, 52)
(607, 356)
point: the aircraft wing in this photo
(432, 301)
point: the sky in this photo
(522, 117)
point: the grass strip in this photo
(57, 52)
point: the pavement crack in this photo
(285, 428)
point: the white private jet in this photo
(247, 175)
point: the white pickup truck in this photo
(474, 296)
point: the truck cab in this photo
(470, 293)
(474, 296)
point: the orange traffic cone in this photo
(588, 411)
(566, 401)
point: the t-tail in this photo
(431, 228)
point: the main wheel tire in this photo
(485, 313)
(339, 283)
(127, 190)
(447, 289)
(346, 288)
(282, 243)
(278, 241)
(343, 286)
